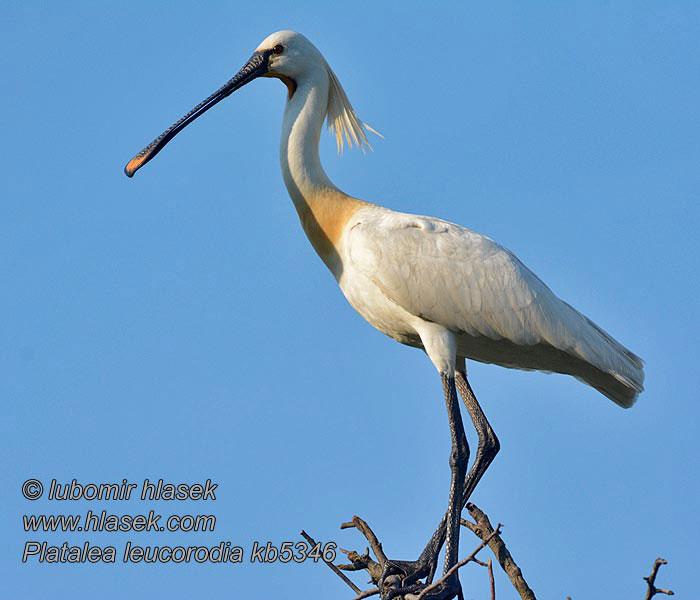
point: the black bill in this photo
(255, 67)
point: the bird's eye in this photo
(278, 49)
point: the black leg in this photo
(459, 460)
(449, 529)
(488, 447)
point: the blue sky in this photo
(179, 326)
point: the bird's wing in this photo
(468, 283)
(449, 275)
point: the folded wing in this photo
(465, 281)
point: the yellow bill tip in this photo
(134, 165)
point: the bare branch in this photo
(483, 529)
(362, 561)
(492, 581)
(333, 568)
(367, 594)
(366, 530)
(651, 579)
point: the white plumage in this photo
(499, 310)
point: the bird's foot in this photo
(399, 579)
(393, 587)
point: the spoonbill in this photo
(422, 281)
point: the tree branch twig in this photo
(492, 581)
(333, 568)
(367, 594)
(483, 529)
(652, 590)
(366, 530)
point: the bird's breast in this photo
(380, 312)
(375, 307)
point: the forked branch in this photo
(482, 528)
(652, 590)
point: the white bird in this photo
(422, 281)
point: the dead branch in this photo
(492, 581)
(362, 562)
(365, 561)
(376, 569)
(367, 594)
(366, 530)
(483, 529)
(651, 579)
(489, 566)
(333, 568)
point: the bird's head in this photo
(290, 57)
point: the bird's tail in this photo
(619, 374)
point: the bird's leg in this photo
(459, 460)
(488, 447)
(450, 525)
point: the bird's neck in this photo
(323, 209)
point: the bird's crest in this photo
(341, 117)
